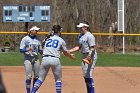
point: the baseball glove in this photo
(87, 60)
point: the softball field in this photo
(107, 80)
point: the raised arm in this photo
(76, 48)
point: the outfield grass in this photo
(104, 59)
(127, 60)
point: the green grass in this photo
(11, 59)
(69, 62)
(127, 60)
(104, 59)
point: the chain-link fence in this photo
(68, 13)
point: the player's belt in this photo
(49, 56)
(86, 53)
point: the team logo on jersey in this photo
(83, 42)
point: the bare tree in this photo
(68, 13)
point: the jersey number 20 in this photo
(52, 43)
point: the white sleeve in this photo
(91, 40)
(22, 44)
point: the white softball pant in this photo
(88, 68)
(54, 64)
(32, 65)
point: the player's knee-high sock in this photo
(90, 85)
(28, 85)
(37, 84)
(58, 86)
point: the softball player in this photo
(87, 46)
(31, 46)
(51, 59)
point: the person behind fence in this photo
(88, 50)
(31, 46)
(51, 58)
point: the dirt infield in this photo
(107, 80)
